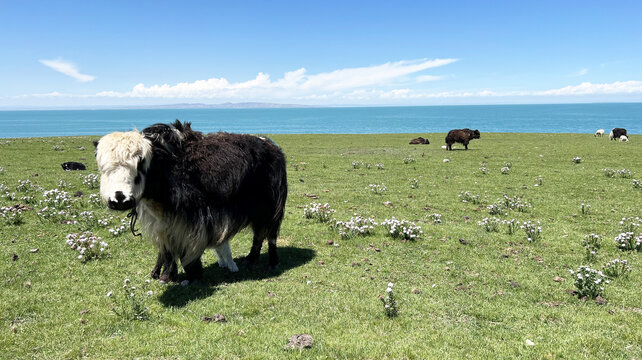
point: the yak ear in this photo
(95, 144)
(163, 136)
(178, 125)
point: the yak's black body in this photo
(217, 184)
(462, 136)
(72, 165)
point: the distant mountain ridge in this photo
(227, 105)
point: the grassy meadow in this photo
(461, 291)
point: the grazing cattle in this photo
(419, 141)
(624, 138)
(193, 191)
(616, 133)
(462, 136)
(599, 132)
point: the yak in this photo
(462, 136)
(419, 141)
(616, 133)
(192, 191)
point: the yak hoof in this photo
(155, 274)
(166, 278)
(231, 266)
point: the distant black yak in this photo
(72, 165)
(462, 136)
(194, 191)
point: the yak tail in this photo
(280, 189)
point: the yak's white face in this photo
(123, 159)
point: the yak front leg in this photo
(170, 271)
(225, 259)
(158, 267)
(194, 270)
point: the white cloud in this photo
(68, 69)
(369, 95)
(296, 82)
(390, 83)
(587, 88)
(369, 76)
(583, 89)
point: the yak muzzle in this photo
(121, 202)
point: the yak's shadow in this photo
(178, 296)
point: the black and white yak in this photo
(193, 191)
(616, 133)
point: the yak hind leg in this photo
(272, 254)
(262, 231)
(222, 260)
(272, 234)
(225, 259)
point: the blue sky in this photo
(68, 54)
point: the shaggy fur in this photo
(419, 141)
(616, 133)
(462, 136)
(193, 191)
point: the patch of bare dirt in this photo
(300, 341)
(219, 318)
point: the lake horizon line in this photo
(528, 118)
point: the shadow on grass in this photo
(178, 296)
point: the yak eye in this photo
(141, 165)
(137, 179)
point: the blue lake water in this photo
(559, 118)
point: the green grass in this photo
(455, 300)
